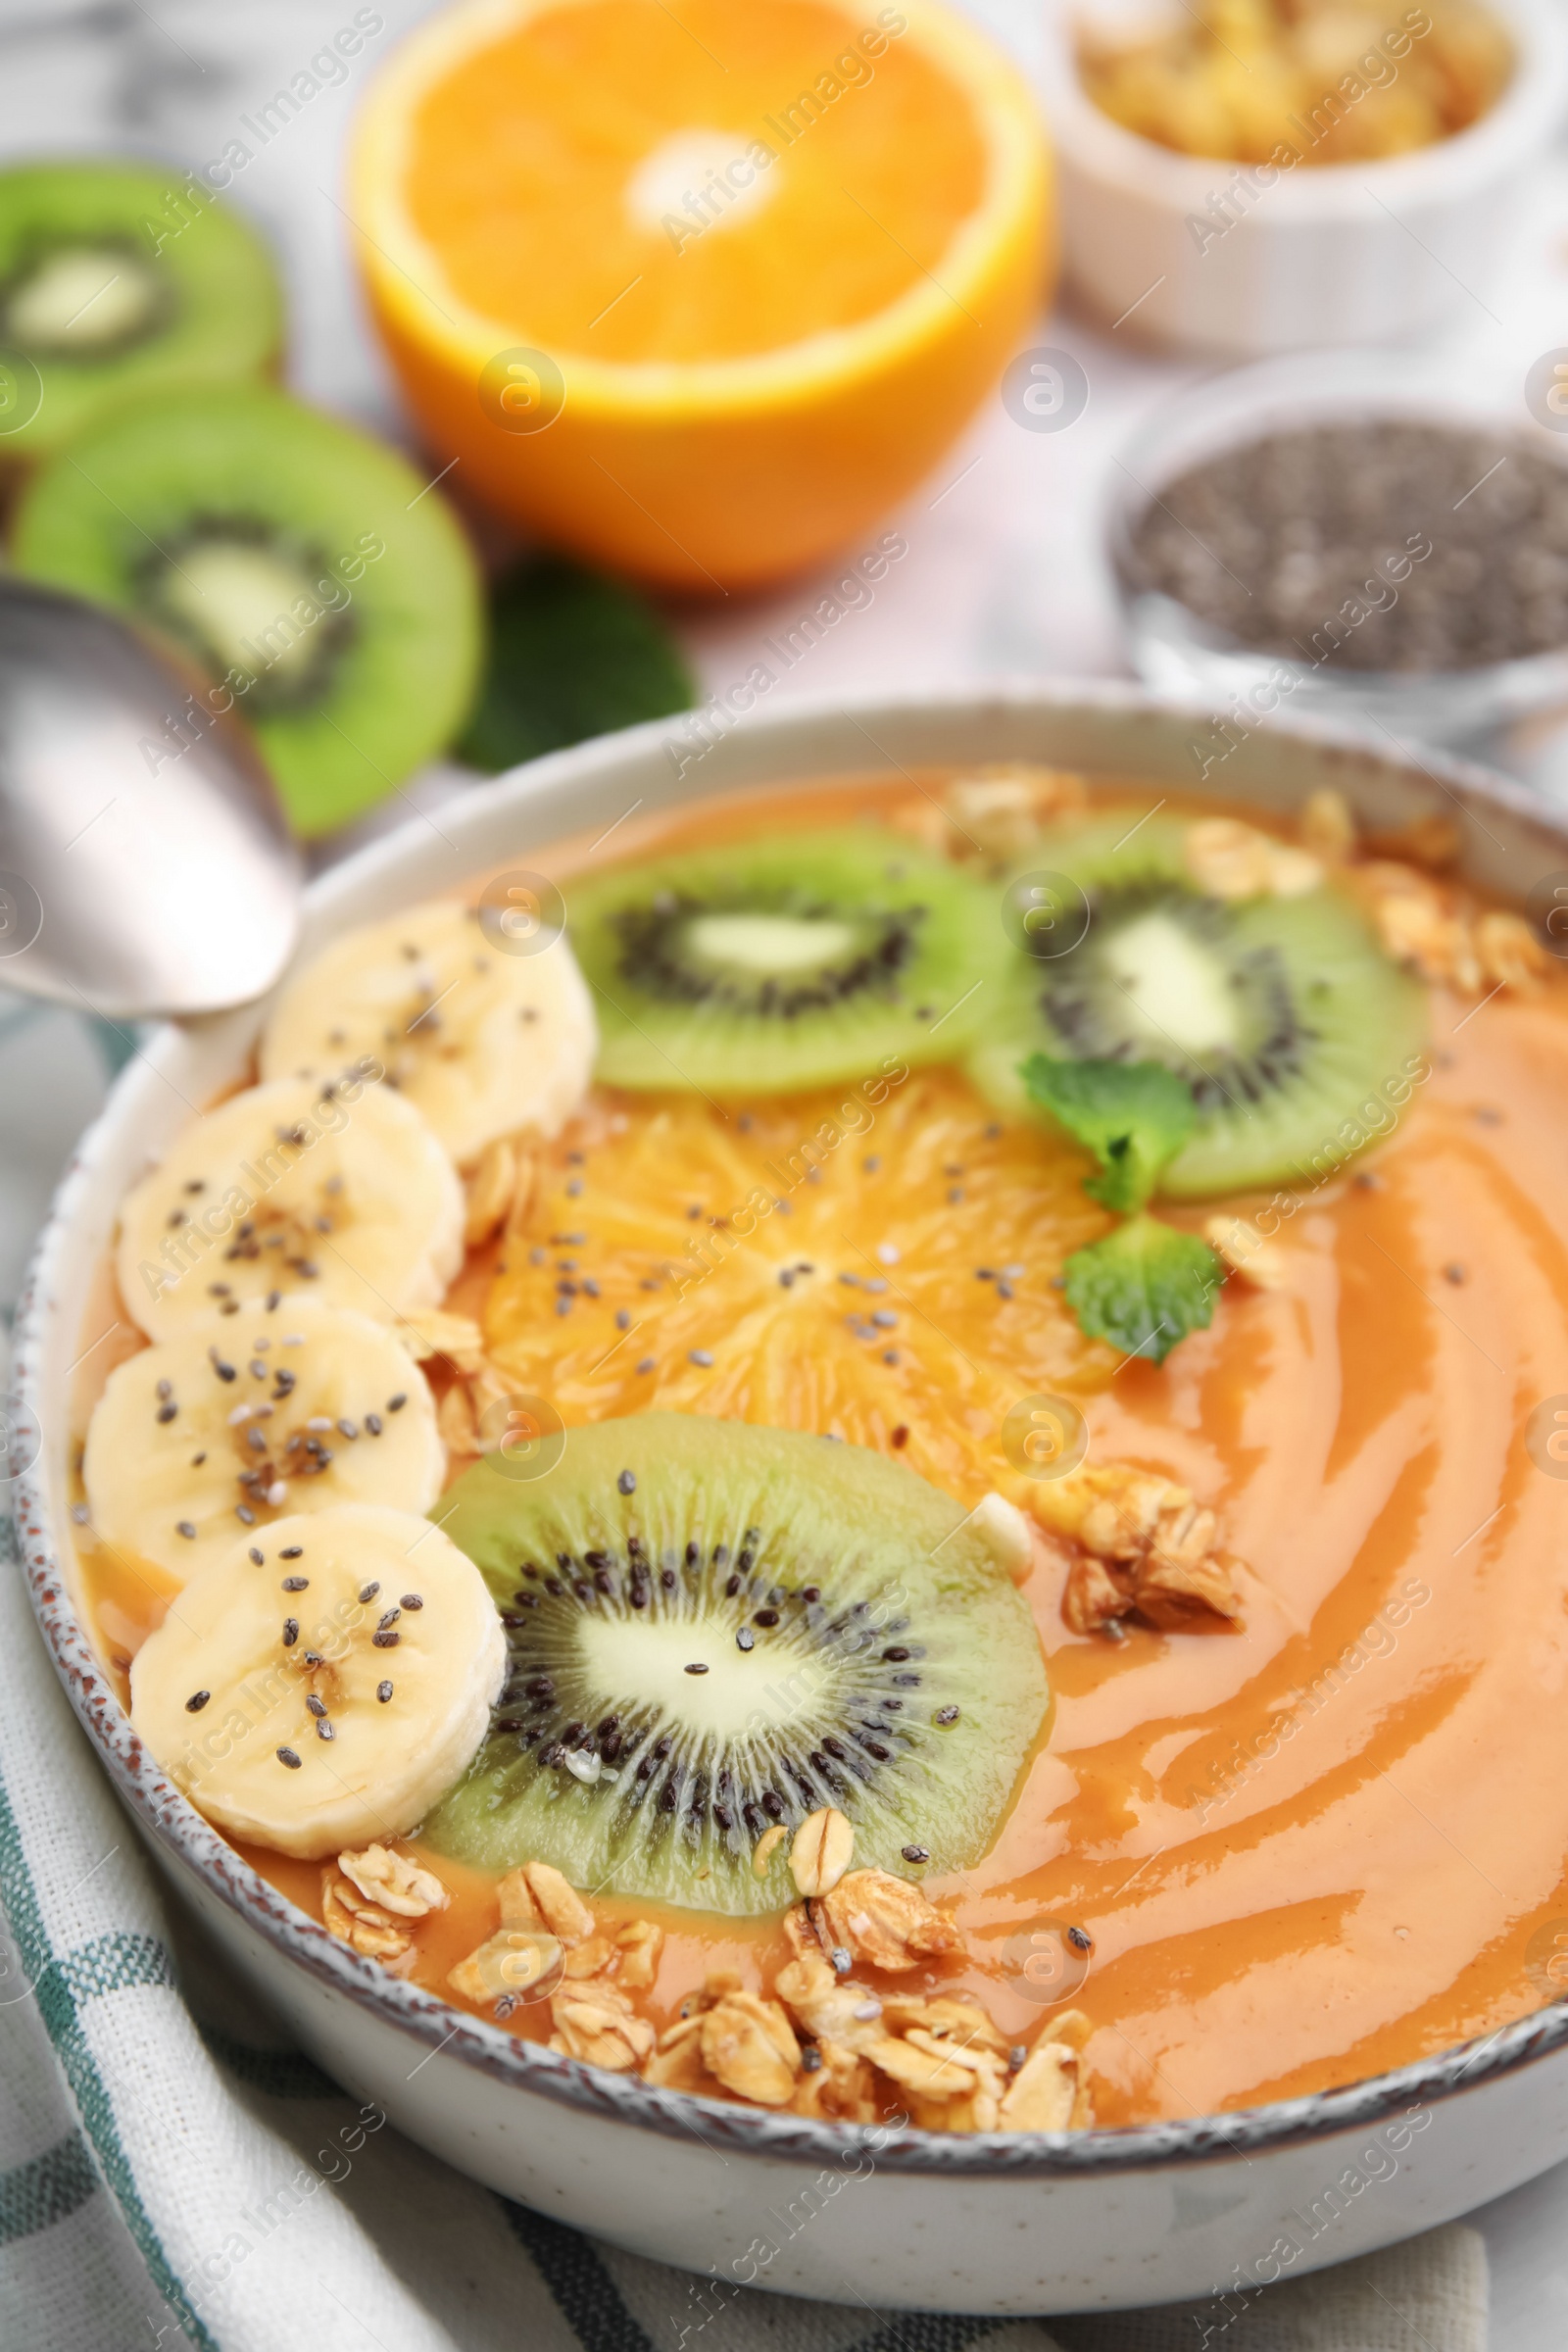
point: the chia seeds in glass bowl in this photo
(1359, 535)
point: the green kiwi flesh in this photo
(1282, 1013)
(118, 280)
(776, 965)
(859, 1647)
(303, 569)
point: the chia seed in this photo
(1461, 533)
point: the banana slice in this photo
(313, 1702)
(485, 1042)
(239, 1420)
(340, 1190)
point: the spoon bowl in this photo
(145, 865)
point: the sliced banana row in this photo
(327, 1670)
(483, 1041)
(328, 1692)
(340, 1191)
(239, 1421)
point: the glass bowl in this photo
(1177, 651)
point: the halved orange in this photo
(876, 1263)
(699, 287)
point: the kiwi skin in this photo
(860, 1647)
(1345, 1024)
(217, 305)
(389, 614)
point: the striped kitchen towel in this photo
(172, 2174)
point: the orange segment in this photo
(849, 1300)
(737, 273)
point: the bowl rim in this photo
(197, 1849)
(1448, 170)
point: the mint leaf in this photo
(1143, 1286)
(1134, 1116)
(571, 654)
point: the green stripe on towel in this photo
(101, 1969)
(46, 2189)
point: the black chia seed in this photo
(1376, 544)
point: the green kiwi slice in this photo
(794, 961)
(118, 279)
(713, 1628)
(1284, 1015)
(323, 588)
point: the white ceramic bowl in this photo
(1342, 252)
(1007, 2223)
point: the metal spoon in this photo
(145, 865)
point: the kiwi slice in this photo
(771, 965)
(118, 279)
(312, 574)
(715, 1627)
(1283, 1014)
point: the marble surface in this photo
(1004, 573)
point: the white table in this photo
(1004, 573)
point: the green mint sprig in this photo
(1146, 1285)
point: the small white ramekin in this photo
(1340, 253)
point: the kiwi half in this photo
(1281, 1014)
(713, 1628)
(118, 279)
(328, 593)
(782, 963)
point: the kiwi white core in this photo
(648, 1660)
(239, 598)
(768, 943)
(82, 299)
(1177, 992)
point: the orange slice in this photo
(698, 287)
(874, 1265)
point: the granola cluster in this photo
(1140, 1543)
(457, 1344)
(824, 2046)
(994, 813)
(1424, 919)
(819, 2041)
(371, 1899)
(1233, 860)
